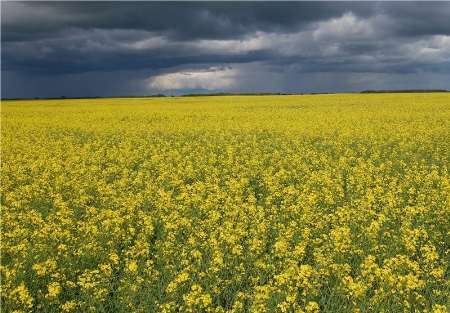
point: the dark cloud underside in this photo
(110, 48)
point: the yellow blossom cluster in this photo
(312, 203)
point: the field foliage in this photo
(322, 203)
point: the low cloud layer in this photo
(121, 48)
(209, 79)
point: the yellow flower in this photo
(132, 266)
(69, 306)
(312, 307)
(22, 294)
(438, 308)
(54, 290)
(114, 258)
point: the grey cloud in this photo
(417, 18)
(181, 20)
(47, 43)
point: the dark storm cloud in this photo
(76, 48)
(417, 18)
(180, 20)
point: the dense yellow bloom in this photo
(69, 306)
(54, 290)
(132, 266)
(312, 307)
(44, 268)
(315, 203)
(437, 308)
(22, 296)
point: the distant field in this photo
(320, 203)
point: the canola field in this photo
(312, 203)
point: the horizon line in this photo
(162, 95)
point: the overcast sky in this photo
(139, 48)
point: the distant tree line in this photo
(404, 91)
(237, 94)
